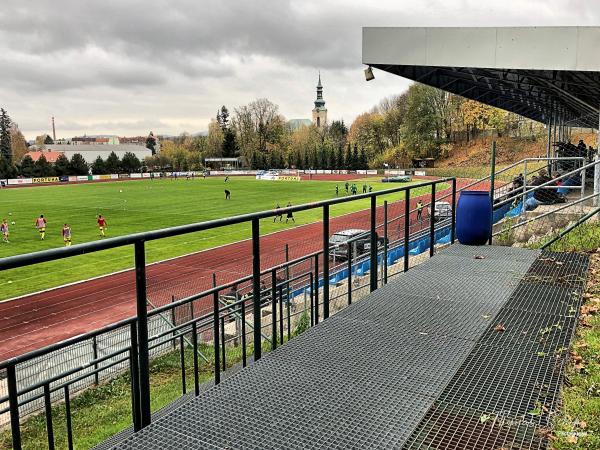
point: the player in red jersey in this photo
(102, 225)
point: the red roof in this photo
(51, 156)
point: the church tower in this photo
(319, 113)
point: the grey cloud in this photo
(114, 61)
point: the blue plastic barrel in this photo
(473, 217)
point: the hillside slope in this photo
(508, 150)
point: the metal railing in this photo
(137, 351)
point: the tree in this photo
(355, 162)
(5, 138)
(61, 165)
(7, 170)
(338, 133)
(27, 166)
(151, 143)
(223, 118)
(98, 166)
(348, 158)
(48, 140)
(229, 146)
(130, 163)
(18, 144)
(78, 166)
(215, 140)
(42, 168)
(113, 163)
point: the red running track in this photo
(41, 319)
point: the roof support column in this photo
(597, 171)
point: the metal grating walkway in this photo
(376, 375)
(505, 392)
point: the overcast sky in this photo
(130, 66)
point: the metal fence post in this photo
(325, 261)
(273, 309)
(216, 337)
(492, 183)
(244, 362)
(312, 302)
(173, 322)
(223, 344)
(142, 329)
(256, 288)
(95, 356)
(373, 255)
(316, 289)
(135, 378)
(385, 242)
(13, 401)
(406, 227)
(195, 350)
(48, 411)
(453, 224)
(349, 274)
(432, 222)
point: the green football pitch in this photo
(134, 206)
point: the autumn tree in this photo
(18, 144)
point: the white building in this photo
(91, 152)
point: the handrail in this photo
(28, 259)
(547, 183)
(565, 206)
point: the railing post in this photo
(95, 356)
(142, 329)
(325, 261)
(432, 222)
(453, 224)
(350, 274)
(244, 362)
(273, 309)
(312, 302)
(173, 322)
(135, 378)
(223, 344)
(216, 337)
(13, 401)
(406, 227)
(385, 242)
(182, 362)
(373, 255)
(195, 350)
(280, 314)
(256, 288)
(492, 183)
(48, 411)
(68, 417)
(316, 289)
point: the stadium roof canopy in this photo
(532, 71)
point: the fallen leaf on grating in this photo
(500, 327)
(486, 316)
(479, 257)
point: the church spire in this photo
(319, 102)
(319, 111)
